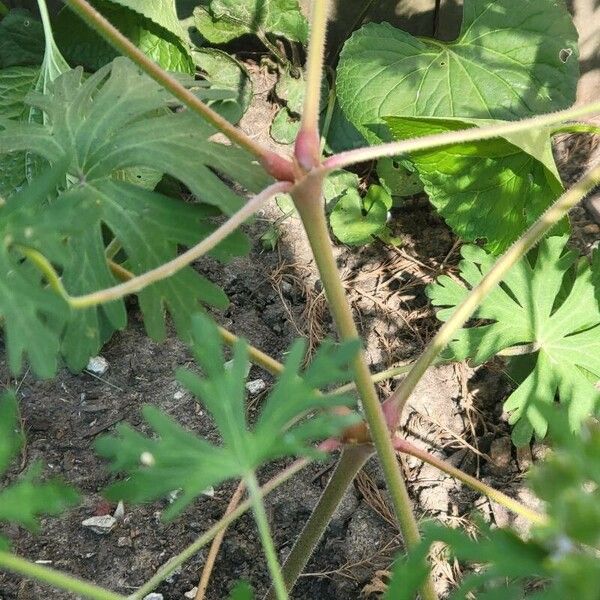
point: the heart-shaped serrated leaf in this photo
(512, 59)
(161, 12)
(177, 459)
(27, 499)
(492, 189)
(83, 46)
(224, 20)
(544, 306)
(117, 119)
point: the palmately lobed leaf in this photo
(286, 426)
(118, 120)
(536, 308)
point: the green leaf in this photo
(118, 119)
(492, 189)
(225, 20)
(224, 72)
(161, 12)
(32, 313)
(27, 499)
(21, 40)
(15, 84)
(82, 45)
(285, 127)
(355, 220)
(177, 459)
(512, 59)
(536, 304)
(241, 591)
(397, 179)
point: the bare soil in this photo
(456, 413)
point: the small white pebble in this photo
(147, 459)
(102, 525)
(256, 386)
(192, 593)
(178, 395)
(97, 365)
(210, 492)
(154, 596)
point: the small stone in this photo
(119, 511)
(101, 525)
(154, 596)
(192, 593)
(178, 395)
(124, 542)
(97, 365)
(256, 386)
(591, 228)
(210, 492)
(501, 454)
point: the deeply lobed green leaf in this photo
(547, 301)
(286, 426)
(117, 120)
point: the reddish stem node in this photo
(308, 149)
(278, 167)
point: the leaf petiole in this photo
(262, 522)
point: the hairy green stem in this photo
(62, 581)
(314, 65)
(308, 201)
(492, 278)
(264, 531)
(350, 463)
(352, 157)
(589, 128)
(496, 496)
(172, 565)
(114, 37)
